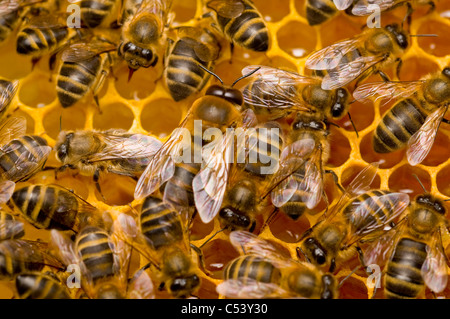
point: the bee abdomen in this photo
(11, 265)
(94, 12)
(33, 41)
(252, 267)
(319, 11)
(178, 190)
(403, 276)
(94, 246)
(160, 224)
(8, 23)
(397, 126)
(39, 286)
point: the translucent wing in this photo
(47, 21)
(367, 7)
(389, 90)
(342, 4)
(434, 269)
(248, 288)
(159, 8)
(313, 181)
(12, 128)
(329, 57)
(348, 71)
(8, 6)
(10, 228)
(141, 286)
(419, 145)
(275, 88)
(83, 51)
(204, 44)
(7, 92)
(6, 191)
(381, 250)
(64, 247)
(227, 8)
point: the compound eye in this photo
(234, 96)
(402, 40)
(147, 54)
(319, 256)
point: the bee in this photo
(360, 56)
(19, 255)
(103, 260)
(413, 249)
(143, 34)
(21, 155)
(274, 93)
(160, 236)
(54, 207)
(414, 120)
(263, 272)
(84, 68)
(178, 161)
(192, 46)
(320, 11)
(39, 285)
(8, 90)
(358, 215)
(241, 23)
(95, 12)
(116, 151)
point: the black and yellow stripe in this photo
(17, 257)
(40, 41)
(94, 12)
(398, 125)
(76, 78)
(7, 232)
(252, 267)
(35, 285)
(8, 22)
(320, 11)
(295, 207)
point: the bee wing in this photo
(141, 286)
(329, 57)
(342, 4)
(274, 88)
(7, 93)
(10, 228)
(227, 8)
(251, 244)
(159, 8)
(47, 21)
(419, 145)
(313, 181)
(83, 51)
(348, 71)
(6, 191)
(8, 6)
(380, 250)
(64, 247)
(375, 205)
(390, 90)
(248, 288)
(434, 269)
(367, 7)
(31, 251)
(292, 158)
(200, 42)
(27, 163)
(12, 128)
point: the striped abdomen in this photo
(76, 78)
(252, 267)
(16, 256)
(95, 248)
(398, 125)
(183, 75)
(35, 285)
(22, 157)
(40, 41)
(8, 22)
(10, 228)
(320, 11)
(403, 276)
(160, 224)
(374, 205)
(93, 12)
(248, 30)
(295, 207)
(47, 206)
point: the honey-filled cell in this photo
(140, 86)
(121, 194)
(297, 39)
(71, 118)
(184, 10)
(442, 180)
(37, 91)
(362, 115)
(403, 179)
(288, 230)
(439, 152)
(160, 117)
(352, 288)
(214, 262)
(340, 148)
(415, 68)
(113, 116)
(386, 160)
(437, 44)
(273, 11)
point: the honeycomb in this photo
(143, 105)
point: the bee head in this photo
(137, 57)
(432, 202)
(62, 145)
(235, 218)
(309, 124)
(231, 95)
(316, 250)
(399, 35)
(182, 287)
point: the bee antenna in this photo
(245, 76)
(423, 187)
(211, 72)
(423, 35)
(60, 123)
(213, 235)
(353, 124)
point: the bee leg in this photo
(336, 179)
(408, 17)
(231, 52)
(201, 260)
(62, 169)
(34, 61)
(384, 76)
(332, 266)
(252, 227)
(161, 286)
(96, 178)
(269, 219)
(52, 63)
(432, 7)
(398, 68)
(97, 88)
(301, 255)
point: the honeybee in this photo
(39, 285)
(18, 256)
(320, 11)
(84, 68)
(262, 272)
(414, 120)
(360, 56)
(192, 46)
(358, 215)
(94, 13)
(273, 93)
(160, 236)
(103, 260)
(241, 23)
(116, 151)
(21, 155)
(413, 249)
(55, 207)
(143, 34)
(216, 111)
(8, 90)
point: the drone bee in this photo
(414, 120)
(360, 56)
